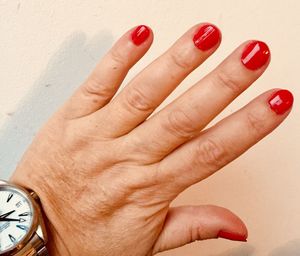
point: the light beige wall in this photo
(48, 47)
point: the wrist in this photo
(23, 230)
(29, 175)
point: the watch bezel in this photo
(35, 218)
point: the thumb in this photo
(187, 224)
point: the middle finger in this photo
(191, 112)
(151, 86)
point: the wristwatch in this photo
(22, 230)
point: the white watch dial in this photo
(16, 214)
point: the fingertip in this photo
(133, 45)
(141, 34)
(207, 37)
(256, 54)
(281, 101)
(235, 229)
(229, 235)
(274, 105)
(229, 225)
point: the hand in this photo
(7, 219)
(7, 214)
(3, 217)
(106, 171)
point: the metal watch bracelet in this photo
(35, 247)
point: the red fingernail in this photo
(232, 236)
(207, 37)
(281, 101)
(255, 55)
(140, 34)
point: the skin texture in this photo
(106, 172)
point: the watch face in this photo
(16, 217)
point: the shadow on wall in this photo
(243, 250)
(65, 72)
(292, 248)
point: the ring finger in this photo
(191, 112)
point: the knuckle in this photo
(98, 90)
(227, 81)
(179, 124)
(211, 154)
(180, 60)
(136, 100)
(255, 123)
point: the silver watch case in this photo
(36, 237)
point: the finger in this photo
(109, 73)
(149, 88)
(191, 112)
(228, 139)
(187, 224)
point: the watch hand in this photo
(7, 214)
(8, 219)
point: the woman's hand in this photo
(106, 172)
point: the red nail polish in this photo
(255, 55)
(281, 101)
(207, 37)
(140, 34)
(232, 236)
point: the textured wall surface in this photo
(48, 47)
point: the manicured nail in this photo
(140, 34)
(255, 55)
(232, 236)
(281, 101)
(207, 37)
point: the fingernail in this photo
(255, 55)
(207, 37)
(140, 34)
(281, 101)
(232, 236)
